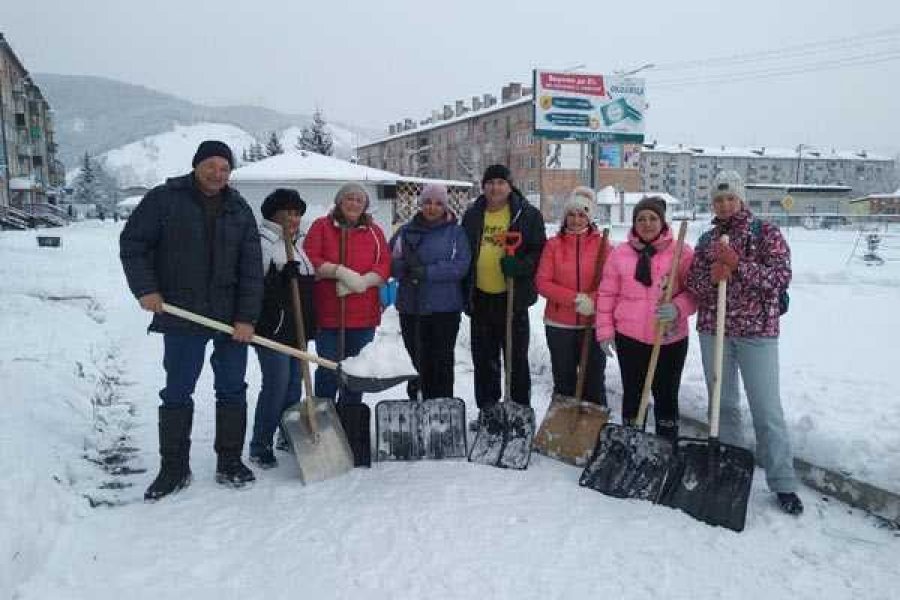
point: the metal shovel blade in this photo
(356, 383)
(505, 435)
(628, 463)
(711, 481)
(415, 430)
(570, 430)
(323, 453)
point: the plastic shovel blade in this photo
(520, 426)
(415, 430)
(505, 435)
(628, 463)
(323, 453)
(356, 383)
(570, 430)
(711, 482)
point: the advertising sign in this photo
(593, 108)
(610, 156)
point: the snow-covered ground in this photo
(80, 379)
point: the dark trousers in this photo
(326, 384)
(183, 357)
(438, 338)
(565, 356)
(634, 358)
(280, 389)
(488, 342)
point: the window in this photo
(532, 186)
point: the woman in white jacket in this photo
(282, 209)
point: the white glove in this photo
(342, 290)
(608, 346)
(372, 279)
(353, 280)
(327, 271)
(584, 305)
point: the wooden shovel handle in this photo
(661, 327)
(589, 330)
(258, 340)
(718, 356)
(297, 306)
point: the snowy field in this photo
(79, 383)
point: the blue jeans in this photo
(757, 360)
(326, 346)
(183, 356)
(280, 389)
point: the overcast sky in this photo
(374, 62)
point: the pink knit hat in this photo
(434, 192)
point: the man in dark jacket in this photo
(193, 242)
(501, 209)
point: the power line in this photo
(888, 55)
(783, 53)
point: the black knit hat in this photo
(282, 199)
(211, 148)
(654, 203)
(496, 172)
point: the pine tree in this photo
(316, 137)
(85, 184)
(256, 152)
(273, 146)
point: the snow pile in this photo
(385, 356)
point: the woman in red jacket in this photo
(565, 277)
(365, 266)
(629, 304)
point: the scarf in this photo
(642, 269)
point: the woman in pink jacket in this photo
(565, 277)
(629, 303)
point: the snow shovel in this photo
(629, 462)
(507, 428)
(353, 382)
(413, 430)
(312, 426)
(571, 426)
(355, 417)
(710, 480)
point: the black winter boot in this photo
(667, 429)
(790, 503)
(174, 450)
(231, 427)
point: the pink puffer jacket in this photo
(627, 306)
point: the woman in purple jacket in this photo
(430, 256)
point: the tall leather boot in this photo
(174, 450)
(231, 427)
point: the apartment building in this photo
(31, 176)
(687, 171)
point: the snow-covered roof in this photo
(808, 153)
(467, 115)
(799, 187)
(893, 196)
(309, 166)
(609, 196)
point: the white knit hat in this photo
(727, 182)
(582, 198)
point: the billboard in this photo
(592, 108)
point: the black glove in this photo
(291, 270)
